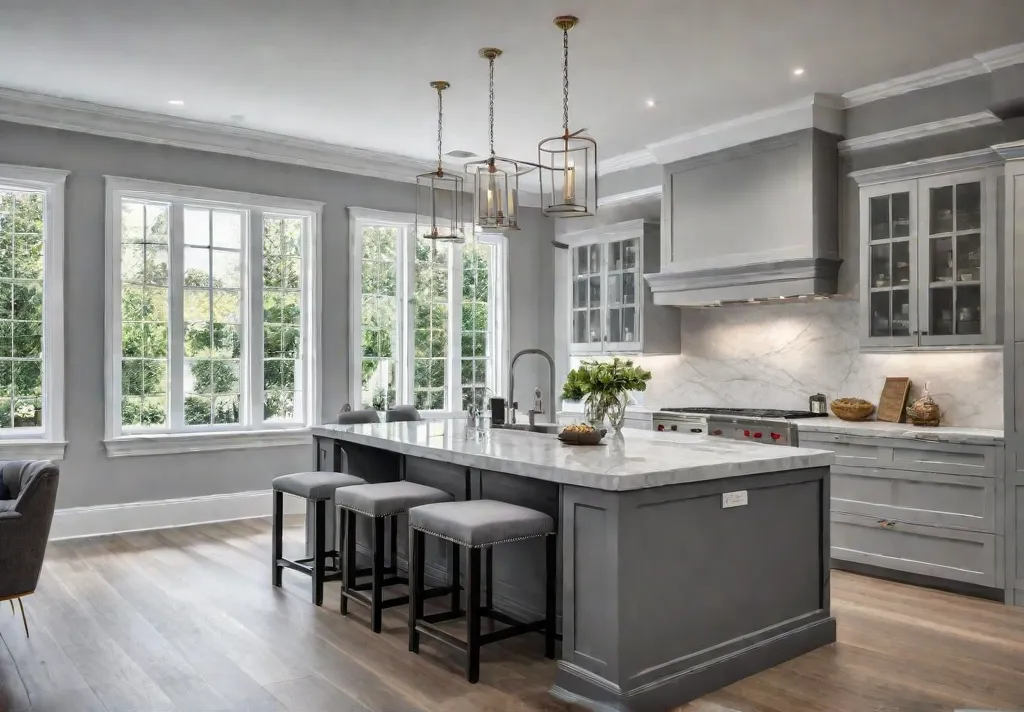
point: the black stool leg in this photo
(416, 568)
(348, 555)
(473, 617)
(319, 537)
(456, 582)
(489, 578)
(276, 536)
(377, 591)
(393, 564)
(551, 596)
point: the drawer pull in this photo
(882, 522)
(890, 525)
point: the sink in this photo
(547, 428)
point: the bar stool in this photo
(380, 502)
(318, 488)
(476, 525)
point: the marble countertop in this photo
(874, 428)
(638, 460)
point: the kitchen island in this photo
(687, 562)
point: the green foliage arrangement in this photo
(604, 387)
(605, 378)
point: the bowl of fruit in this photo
(581, 434)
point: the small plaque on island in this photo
(892, 403)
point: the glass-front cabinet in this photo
(928, 275)
(609, 299)
(606, 279)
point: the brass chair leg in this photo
(23, 618)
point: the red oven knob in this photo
(776, 436)
(713, 432)
(757, 435)
(661, 428)
(746, 433)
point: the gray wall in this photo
(88, 476)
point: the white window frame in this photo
(47, 442)
(216, 437)
(360, 218)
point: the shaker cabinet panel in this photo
(928, 261)
(953, 554)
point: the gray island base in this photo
(666, 593)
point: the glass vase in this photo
(605, 407)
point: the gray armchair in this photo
(25, 525)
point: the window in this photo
(211, 301)
(429, 317)
(31, 312)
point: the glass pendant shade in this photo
(568, 175)
(496, 193)
(439, 194)
(569, 165)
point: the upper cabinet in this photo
(611, 310)
(928, 261)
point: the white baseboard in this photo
(77, 522)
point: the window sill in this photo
(178, 443)
(30, 449)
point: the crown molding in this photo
(944, 74)
(910, 133)
(625, 161)
(86, 117)
(970, 160)
(1002, 57)
(1012, 151)
(821, 111)
(630, 196)
(980, 63)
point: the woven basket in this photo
(851, 408)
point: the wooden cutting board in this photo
(892, 404)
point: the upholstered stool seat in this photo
(481, 522)
(380, 502)
(477, 525)
(315, 485)
(318, 488)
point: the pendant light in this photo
(439, 193)
(496, 179)
(568, 161)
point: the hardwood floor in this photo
(185, 620)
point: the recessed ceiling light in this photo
(650, 103)
(176, 102)
(798, 71)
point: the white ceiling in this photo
(356, 72)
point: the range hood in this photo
(751, 223)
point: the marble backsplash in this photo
(776, 356)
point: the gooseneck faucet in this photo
(554, 399)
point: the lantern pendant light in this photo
(439, 193)
(496, 179)
(569, 161)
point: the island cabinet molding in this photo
(918, 508)
(652, 615)
(611, 307)
(929, 254)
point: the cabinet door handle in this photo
(882, 522)
(924, 333)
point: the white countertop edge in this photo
(903, 431)
(607, 481)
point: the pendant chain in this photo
(440, 114)
(491, 104)
(565, 81)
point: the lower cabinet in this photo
(954, 554)
(918, 507)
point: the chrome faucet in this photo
(554, 401)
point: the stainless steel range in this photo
(764, 425)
